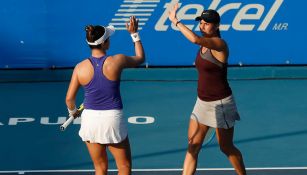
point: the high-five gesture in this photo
(172, 14)
(203, 120)
(133, 25)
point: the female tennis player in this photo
(102, 122)
(215, 106)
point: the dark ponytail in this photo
(93, 33)
(89, 33)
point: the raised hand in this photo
(132, 26)
(172, 13)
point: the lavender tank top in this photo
(101, 93)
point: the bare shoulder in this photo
(224, 42)
(226, 50)
(85, 64)
(84, 71)
(84, 68)
(221, 41)
(221, 45)
(223, 53)
(113, 66)
(117, 59)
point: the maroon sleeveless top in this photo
(212, 77)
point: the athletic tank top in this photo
(212, 77)
(101, 93)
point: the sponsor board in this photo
(258, 32)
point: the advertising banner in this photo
(50, 34)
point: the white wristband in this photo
(71, 112)
(135, 37)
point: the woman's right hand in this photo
(132, 26)
(172, 14)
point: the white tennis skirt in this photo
(103, 126)
(217, 114)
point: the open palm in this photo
(172, 13)
(133, 25)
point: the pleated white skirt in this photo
(103, 126)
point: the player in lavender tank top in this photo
(213, 88)
(100, 76)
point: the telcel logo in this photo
(236, 23)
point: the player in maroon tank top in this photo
(210, 43)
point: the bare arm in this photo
(139, 57)
(114, 66)
(72, 90)
(214, 43)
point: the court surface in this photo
(272, 133)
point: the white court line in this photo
(150, 170)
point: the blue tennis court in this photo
(271, 135)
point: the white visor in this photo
(108, 32)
